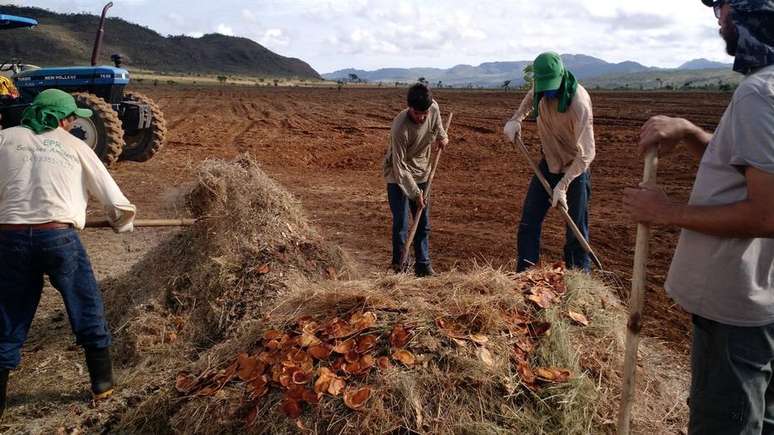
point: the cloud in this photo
(225, 30)
(623, 20)
(274, 38)
(248, 15)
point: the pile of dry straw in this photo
(215, 330)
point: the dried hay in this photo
(216, 277)
(463, 374)
(193, 316)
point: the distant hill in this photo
(489, 74)
(591, 71)
(703, 64)
(719, 78)
(67, 39)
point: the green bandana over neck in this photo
(50, 107)
(566, 92)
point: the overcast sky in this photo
(371, 34)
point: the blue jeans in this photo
(536, 205)
(400, 206)
(25, 256)
(732, 369)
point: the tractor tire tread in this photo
(114, 132)
(158, 127)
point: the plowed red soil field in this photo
(326, 147)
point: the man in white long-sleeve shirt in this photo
(46, 176)
(407, 168)
(565, 124)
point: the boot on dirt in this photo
(3, 390)
(100, 372)
(423, 270)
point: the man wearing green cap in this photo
(46, 176)
(723, 269)
(565, 124)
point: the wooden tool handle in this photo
(636, 303)
(567, 218)
(426, 194)
(144, 223)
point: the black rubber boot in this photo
(100, 372)
(3, 390)
(423, 270)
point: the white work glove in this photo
(121, 217)
(511, 129)
(559, 196)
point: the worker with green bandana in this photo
(565, 124)
(46, 178)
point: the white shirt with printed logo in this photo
(48, 178)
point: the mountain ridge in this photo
(494, 74)
(66, 40)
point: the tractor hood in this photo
(65, 78)
(13, 22)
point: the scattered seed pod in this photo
(249, 367)
(301, 378)
(320, 351)
(578, 318)
(339, 329)
(407, 358)
(356, 399)
(260, 386)
(344, 346)
(295, 392)
(308, 339)
(185, 382)
(272, 334)
(553, 375)
(384, 363)
(399, 336)
(352, 356)
(291, 408)
(336, 386)
(365, 343)
(359, 322)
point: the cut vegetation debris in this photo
(250, 321)
(458, 353)
(333, 349)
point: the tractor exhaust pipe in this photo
(100, 32)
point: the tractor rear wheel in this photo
(144, 144)
(103, 131)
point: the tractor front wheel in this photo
(103, 131)
(145, 143)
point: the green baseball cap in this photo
(548, 72)
(61, 103)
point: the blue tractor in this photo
(125, 126)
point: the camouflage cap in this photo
(746, 5)
(754, 21)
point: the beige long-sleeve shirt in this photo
(48, 178)
(407, 161)
(567, 138)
